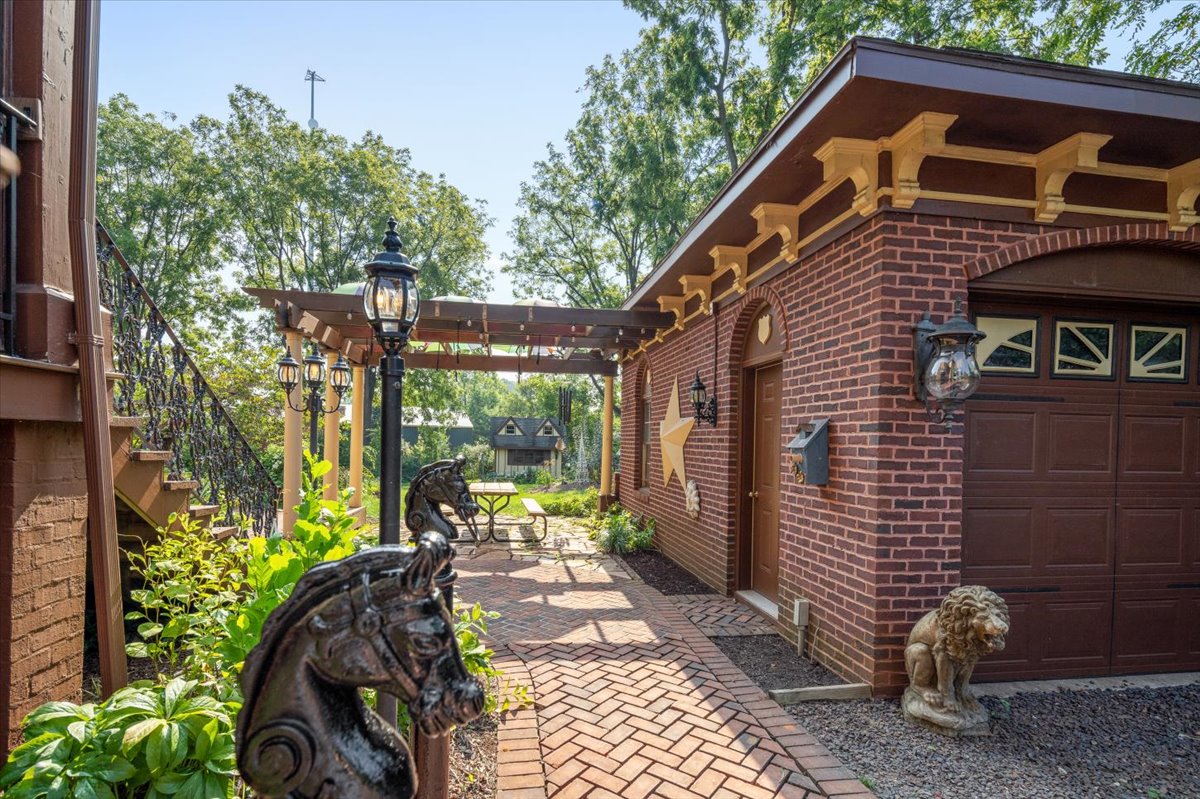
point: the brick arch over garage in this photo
(1157, 236)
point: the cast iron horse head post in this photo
(375, 619)
(440, 483)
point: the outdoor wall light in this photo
(390, 297)
(945, 371)
(705, 406)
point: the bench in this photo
(535, 510)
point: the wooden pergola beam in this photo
(498, 363)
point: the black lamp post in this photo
(392, 304)
(289, 373)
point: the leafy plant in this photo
(146, 741)
(620, 532)
(573, 504)
(190, 583)
(203, 604)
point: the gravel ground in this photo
(473, 760)
(773, 663)
(1133, 744)
(661, 573)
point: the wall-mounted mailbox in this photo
(810, 452)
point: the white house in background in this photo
(526, 443)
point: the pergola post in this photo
(358, 416)
(333, 430)
(293, 440)
(606, 441)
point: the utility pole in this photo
(312, 77)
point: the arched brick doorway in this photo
(760, 340)
(1081, 484)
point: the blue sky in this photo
(474, 89)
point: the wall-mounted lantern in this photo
(809, 452)
(704, 405)
(945, 371)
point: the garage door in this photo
(1082, 487)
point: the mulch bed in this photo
(773, 663)
(1139, 743)
(473, 760)
(663, 574)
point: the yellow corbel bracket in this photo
(1057, 163)
(674, 304)
(701, 285)
(1183, 190)
(783, 219)
(727, 258)
(925, 135)
(856, 160)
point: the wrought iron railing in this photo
(160, 383)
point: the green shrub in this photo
(144, 741)
(620, 532)
(573, 504)
(203, 604)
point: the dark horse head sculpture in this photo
(440, 483)
(372, 620)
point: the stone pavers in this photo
(718, 616)
(631, 699)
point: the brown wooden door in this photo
(764, 482)
(1081, 495)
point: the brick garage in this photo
(881, 543)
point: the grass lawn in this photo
(515, 508)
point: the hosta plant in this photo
(146, 741)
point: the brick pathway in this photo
(721, 616)
(631, 699)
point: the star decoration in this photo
(672, 434)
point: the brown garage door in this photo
(1082, 487)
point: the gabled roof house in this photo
(527, 443)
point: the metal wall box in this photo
(810, 452)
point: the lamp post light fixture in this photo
(392, 304)
(289, 374)
(704, 405)
(945, 370)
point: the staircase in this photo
(175, 449)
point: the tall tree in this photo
(160, 193)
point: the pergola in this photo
(451, 334)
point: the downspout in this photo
(89, 337)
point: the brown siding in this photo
(42, 568)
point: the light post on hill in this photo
(392, 304)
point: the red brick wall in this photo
(43, 553)
(879, 545)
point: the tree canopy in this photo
(666, 123)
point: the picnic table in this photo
(493, 497)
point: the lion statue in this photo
(942, 651)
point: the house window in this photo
(1083, 349)
(644, 474)
(510, 429)
(1158, 352)
(1010, 346)
(528, 457)
(548, 430)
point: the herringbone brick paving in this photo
(631, 699)
(721, 616)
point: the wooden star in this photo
(672, 434)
